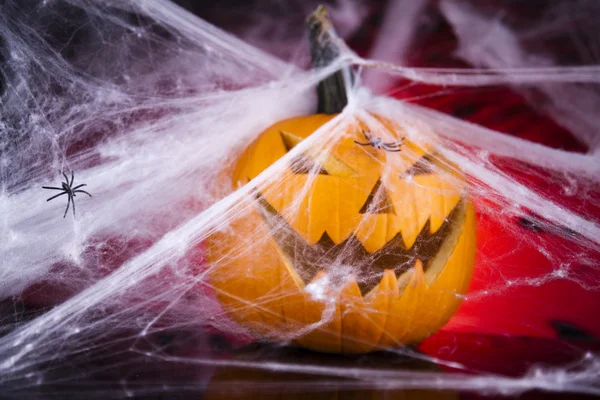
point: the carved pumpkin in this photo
(344, 253)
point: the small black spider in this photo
(380, 144)
(68, 189)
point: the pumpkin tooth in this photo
(443, 197)
(418, 275)
(415, 214)
(372, 238)
(414, 277)
(386, 288)
(444, 204)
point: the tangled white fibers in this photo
(151, 107)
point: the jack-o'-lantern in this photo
(353, 255)
(363, 241)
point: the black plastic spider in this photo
(68, 189)
(380, 144)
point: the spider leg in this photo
(51, 187)
(391, 148)
(72, 178)
(393, 151)
(82, 191)
(73, 206)
(364, 144)
(78, 186)
(66, 179)
(396, 143)
(53, 197)
(367, 135)
(68, 203)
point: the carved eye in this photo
(305, 163)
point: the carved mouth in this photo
(367, 268)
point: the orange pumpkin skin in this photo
(256, 279)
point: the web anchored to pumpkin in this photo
(353, 249)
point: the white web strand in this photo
(488, 76)
(489, 43)
(558, 380)
(222, 94)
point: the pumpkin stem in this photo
(323, 50)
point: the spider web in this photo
(150, 106)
